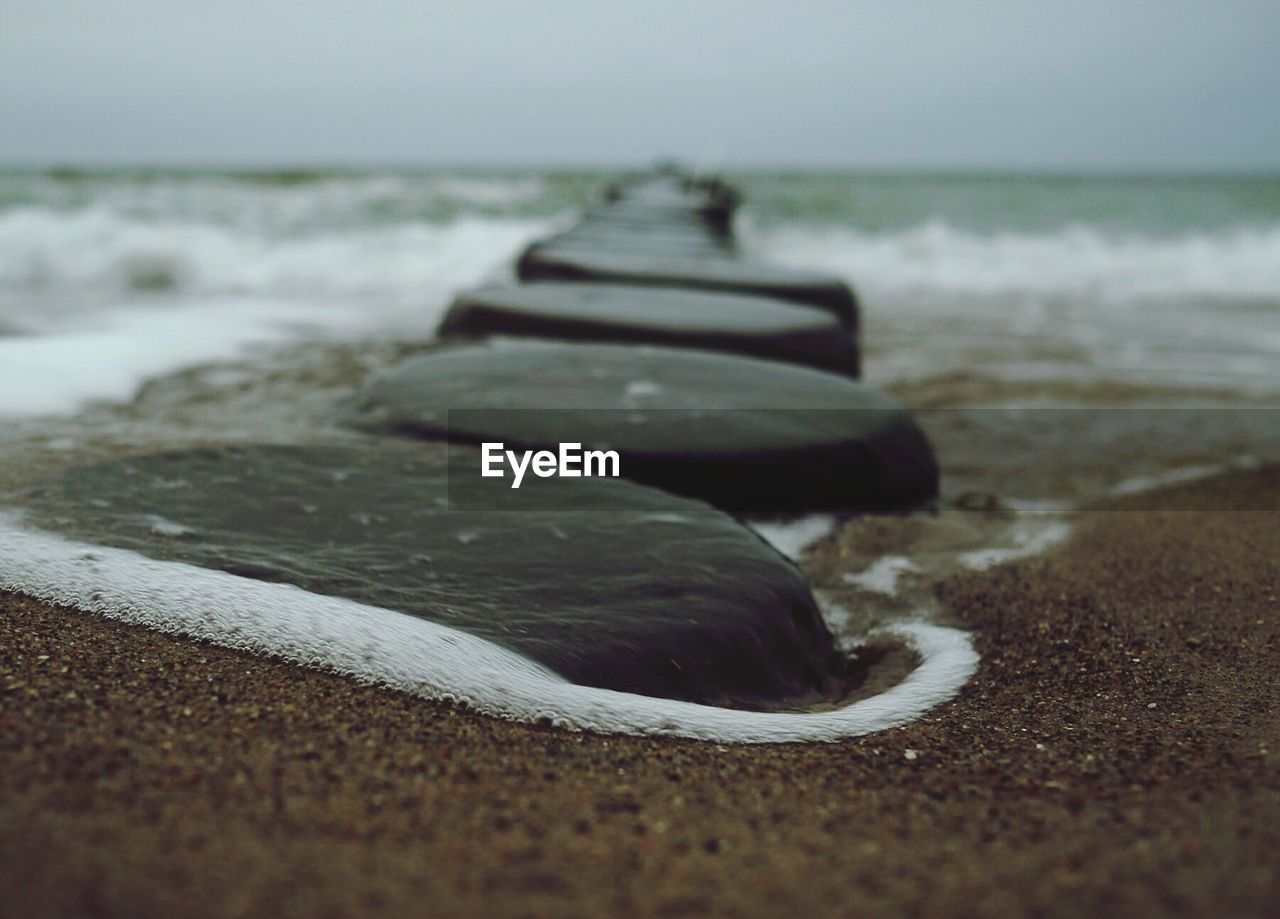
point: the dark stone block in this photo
(710, 201)
(658, 233)
(640, 223)
(753, 326)
(621, 586)
(564, 262)
(744, 434)
(657, 245)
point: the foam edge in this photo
(430, 660)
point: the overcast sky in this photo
(1068, 84)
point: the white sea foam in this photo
(98, 249)
(1075, 260)
(1139, 484)
(84, 337)
(792, 537)
(1029, 536)
(882, 576)
(162, 526)
(432, 660)
(110, 358)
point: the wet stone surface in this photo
(621, 586)
(577, 261)
(743, 434)
(736, 324)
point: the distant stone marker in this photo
(746, 435)
(569, 261)
(621, 586)
(732, 323)
(710, 201)
(636, 241)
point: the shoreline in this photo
(433, 660)
(1114, 752)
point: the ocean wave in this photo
(100, 249)
(108, 354)
(279, 200)
(1074, 261)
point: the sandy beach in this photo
(871, 416)
(1114, 754)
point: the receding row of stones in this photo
(717, 378)
(643, 330)
(710, 391)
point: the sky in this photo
(1169, 85)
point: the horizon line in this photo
(321, 167)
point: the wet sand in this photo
(1115, 753)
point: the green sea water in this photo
(982, 202)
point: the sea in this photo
(1065, 340)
